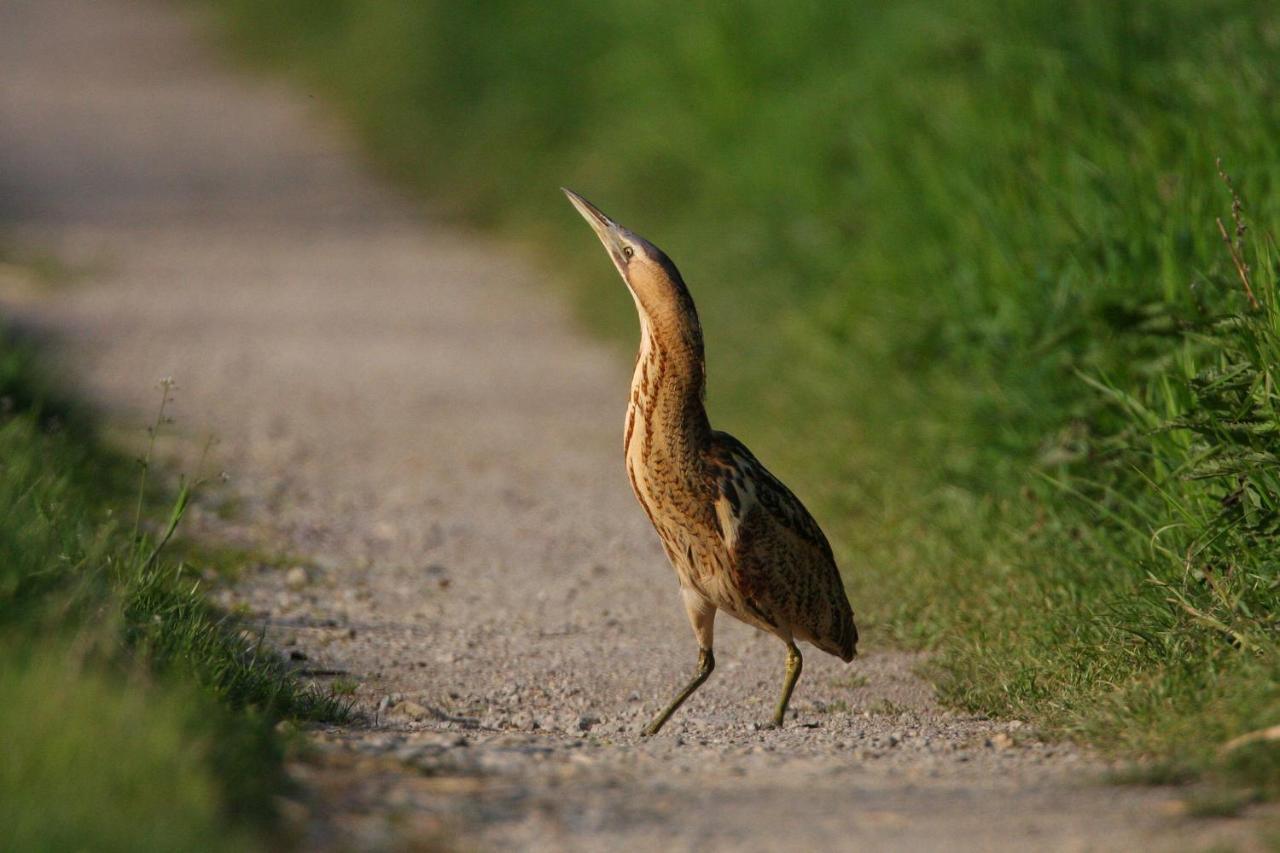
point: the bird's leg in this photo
(702, 616)
(795, 664)
(706, 663)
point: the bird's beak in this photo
(606, 229)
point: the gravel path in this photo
(425, 457)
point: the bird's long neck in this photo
(666, 419)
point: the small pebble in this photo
(412, 710)
(999, 741)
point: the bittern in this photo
(738, 539)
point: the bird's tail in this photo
(849, 643)
(842, 640)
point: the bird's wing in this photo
(782, 563)
(742, 483)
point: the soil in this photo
(426, 478)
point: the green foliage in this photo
(135, 716)
(92, 763)
(1024, 386)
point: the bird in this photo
(738, 539)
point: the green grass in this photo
(134, 715)
(1024, 390)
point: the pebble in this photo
(412, 710)
(999, 741)
(296, 578)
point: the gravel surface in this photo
(425, 460)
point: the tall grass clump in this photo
(135, 716)
(1148, 592)
(962, 281)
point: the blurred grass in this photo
(135, 716)
(1023, 388)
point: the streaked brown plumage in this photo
(739, 540)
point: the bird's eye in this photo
(627, 251)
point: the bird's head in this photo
(652, 278)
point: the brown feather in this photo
(778, 554)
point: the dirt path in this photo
(428, 455)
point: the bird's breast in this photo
(664, 481)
